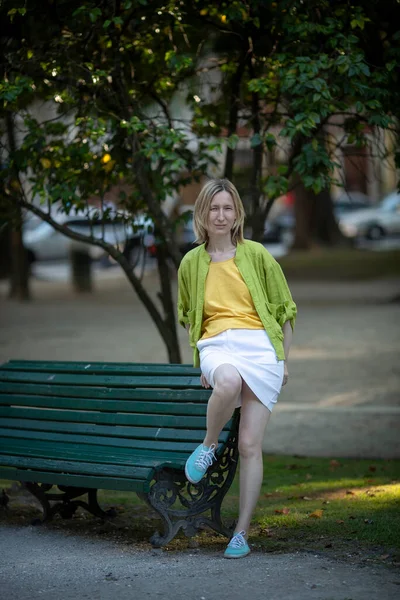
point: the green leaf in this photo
(317, 187)
(106, 23)
(13, 11)
(255, 140)
(94, 14)
(270, 141)
(232, 141)
(365, 69)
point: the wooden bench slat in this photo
(152, 445)
(67, 466)
(120, 431)
(23, 361)
(194, 409)
(101, 368)
(96, 454)
(171, 367)
(105, 418)
(79, 481)
(199, 396)
(103, 380)
(46, 447)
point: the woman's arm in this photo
(287, 338)
(287, 342)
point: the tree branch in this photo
(111, 250)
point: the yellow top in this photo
(227, 303)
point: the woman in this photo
(235, 303)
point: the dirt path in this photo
(37, 563)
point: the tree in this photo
(107, 72)
(305, 79)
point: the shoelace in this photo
(238, 540)
(206, 458)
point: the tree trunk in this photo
(303, 210)
(19, 279)
(5, 251)
(233, 113)
(326, 229)
(19, 276)
(167, 325)
(315, 221)
(170, 334)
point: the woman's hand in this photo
(204, 382)
(285, 374)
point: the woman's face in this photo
(222, 214)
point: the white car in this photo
(43, 242)
(373, 223)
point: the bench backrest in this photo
(156, 409)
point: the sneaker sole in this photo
(190, 479)
(238, 555)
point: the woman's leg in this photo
(222, 402)
(253, 421)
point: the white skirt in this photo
(250, 351)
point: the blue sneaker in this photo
(198, 462)
(237, 547)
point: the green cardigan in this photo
(264, 279)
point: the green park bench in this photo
(80, 427)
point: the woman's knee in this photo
(248, 446)
(227, 381)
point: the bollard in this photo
(81, 270)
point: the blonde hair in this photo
(202, 210)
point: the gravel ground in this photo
(43, 564)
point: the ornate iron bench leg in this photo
(64, 503)
(182, 505)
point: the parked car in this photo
(349, 202)
(280, 229)
(43, 242)
(373, 223)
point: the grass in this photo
(344, 507)
(340, 264)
